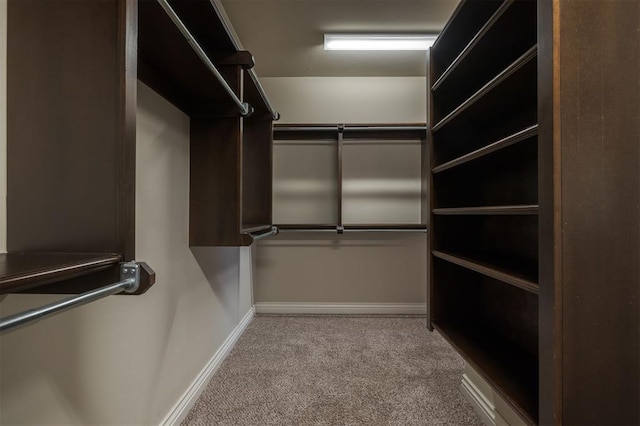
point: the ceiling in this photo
(286, 36)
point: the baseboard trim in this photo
(480, 402)
(193, 392)
(342, 308)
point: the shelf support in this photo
(129, 283)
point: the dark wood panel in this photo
(71, 126)
(549, 223)
(600, 207)
(215, 182)
(257, 180)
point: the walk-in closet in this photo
(305, 212)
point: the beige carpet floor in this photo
(336, 370)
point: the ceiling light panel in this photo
(377, 42)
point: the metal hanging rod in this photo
(348, 128)
(275, 115)
(130, 281)
(272, 231)
(245, 108)
(345, 229)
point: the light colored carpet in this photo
(336, 370)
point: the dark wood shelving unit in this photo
(341, 135)
(231, 154)
(533, 190)
(72, 154)
(483, 185)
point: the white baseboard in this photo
(342, 308)
(193, 392)
(481, 404)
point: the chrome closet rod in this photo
(275, 115)
(346, 229)
(129, 273)
(245, 108)
(348, 128)
(273, 231)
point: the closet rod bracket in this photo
(130, 272)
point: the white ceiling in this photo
(286, 36)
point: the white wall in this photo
(348, 99)
(326, 268)
(126, 360)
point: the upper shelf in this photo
(468, 18)
(350, 131)
(169, 65)
(23, 271)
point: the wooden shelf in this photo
(489, 210)
(508, 368)
(509, 33)
(352, 131)
(505, 242)
(466, 21)
(25, 271)
(506, 178)
(168, 64)
(488, 270)
(486, 150)
(507, 82)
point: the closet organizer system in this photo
(533, 224)
(72, 71)
(349, 177)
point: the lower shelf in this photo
(511, 371)
(24, 271)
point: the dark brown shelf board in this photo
(351, 131)
(474, 41)
(490, 271)
(510, 370)
(496, 146)
(168, 64)
(489, 87)
(24, 271)
(465, 21)
(530, 209)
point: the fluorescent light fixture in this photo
(378, 41)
